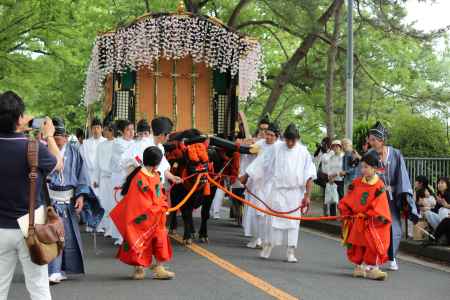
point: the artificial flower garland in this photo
(173, 37)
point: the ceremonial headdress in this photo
(60, 128)
(291, 132)
(142, 126)
(161, 125)
(379, 131)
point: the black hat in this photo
(152, 156)
(142, 126)
(60, 128)
(291, 132)
(379, 131)
(161, 125)
(264, 120)
(371, 159)
(274, 128)
(96, 122)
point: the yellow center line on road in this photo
(244, 275)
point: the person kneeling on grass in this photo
(366, 232)
(140, 218)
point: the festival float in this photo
(191, 68)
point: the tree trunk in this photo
(331, 69)
(147, 6)
(289, 67)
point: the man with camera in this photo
(14, 196)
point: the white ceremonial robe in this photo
(118, 174)
(128, 159)
(88, 152)
(254, 221)
(287, 171)
(103, 178)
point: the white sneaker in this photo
(256, 243)
(392, 265)
(266, 251)
(55, 278)
(62, 277)
(291, 255)
(118, 242)
(89, 229)
(216, 216)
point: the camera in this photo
(36, 123)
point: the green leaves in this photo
(45, 47)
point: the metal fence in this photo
(432, 168)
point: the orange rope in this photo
(268, 212)
(188, 196)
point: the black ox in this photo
(190, 153)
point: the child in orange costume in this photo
(367, 232)
(140, 217)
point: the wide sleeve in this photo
(404, 188)
(379, 207)
(82, 175)
(310, 171)
(263, 165)
(346, 203)
(97, 169)
(127, 159)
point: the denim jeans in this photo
(13, 248)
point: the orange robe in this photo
(140, 217)
(365, 234)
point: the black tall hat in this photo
(142, 126)
(96, 122)
(264, 120)
(60, 128)
(161, 125)
(379, 131)
(371, 158)
(274, 128)
(291, 132)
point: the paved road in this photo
(322, 273)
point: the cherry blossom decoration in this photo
(174, 37)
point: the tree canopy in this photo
(45, 47)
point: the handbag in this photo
(45, 241)
(331, 193)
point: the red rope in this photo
(268, 212)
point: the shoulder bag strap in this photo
(32, 156)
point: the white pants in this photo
(285, 237)
(217, 202)
(254, 224)
(13, 247)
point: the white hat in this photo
(336, 142)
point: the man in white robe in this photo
(289, 171)
(255, 221)
(125, 131)
(88, 151)
(132, 158)
(103, 178)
